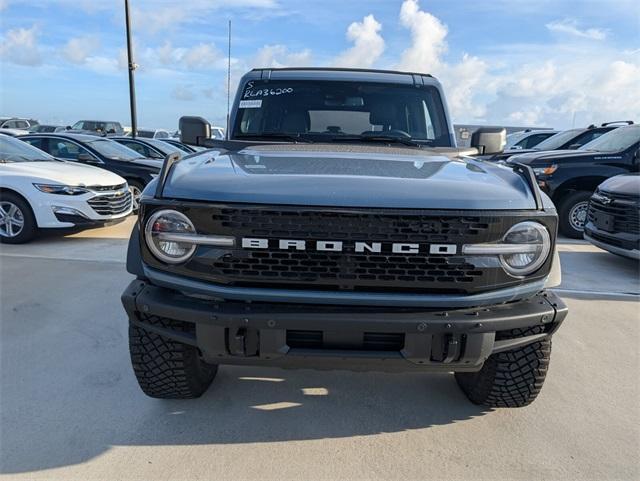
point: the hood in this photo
(65, 173)
(542, 156)
(348, 176)
(626, 184)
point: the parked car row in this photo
(67, 179)
(38, 191)
(570, 165)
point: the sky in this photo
(552, 63)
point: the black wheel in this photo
(511, 378)
(573, 214)
(168, 369)
(136, 189)
(17, 222)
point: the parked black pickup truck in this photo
(339, 227)
(570, 177)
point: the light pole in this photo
(131, 67)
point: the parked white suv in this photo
(38, 191)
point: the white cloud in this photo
(183, 92)
(278, 56)
(20, 46)
(103, 65)
(428, 36)
(201, 56)
(79, 48)
(368, 44)
(570, 27)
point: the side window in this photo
(66, 150)
(11, 124)
(534, 140)
(141, 149)
(38, 143)
(162, 135)
(21, 124)
(585, 138)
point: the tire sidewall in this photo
(573, 199)
(29, 229)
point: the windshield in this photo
(14, 150)
(556, 141)
(513, 139)
(328, 110)
(113, 150)
(616, 140)
(164, 146)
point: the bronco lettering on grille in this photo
(339, 246)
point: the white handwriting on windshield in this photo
(274, 92)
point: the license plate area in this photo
(603, 221)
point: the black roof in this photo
(340, 69)
(72, 136)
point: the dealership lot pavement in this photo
(70, 408)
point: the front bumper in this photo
(342, 337)
(66, 211)
(626, 245)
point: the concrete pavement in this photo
(70, 407)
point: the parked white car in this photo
(38, 191)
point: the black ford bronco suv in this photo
(339, 227)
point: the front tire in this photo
(573, 214)
(136, 189)
(511, 378)
(17, 222)
(167, 369)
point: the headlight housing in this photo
(169, 223)
(523, 249)
(550, 169)
(61, 189)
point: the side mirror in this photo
(68, 127)
(489, 140)
(194, 130)
(87, 158)
(636, 160)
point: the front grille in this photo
(350, 270)
(315, 225)
(111, 204)
(365, 341)
(106, 188)
(623, 211)
(343, 269)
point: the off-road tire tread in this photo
(511, 378)
(165, 368)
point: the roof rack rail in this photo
(628, 122)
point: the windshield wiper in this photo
(389, 139)
(275, 136)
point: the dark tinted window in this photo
(64, 149)
(328, 109)
(587, 137)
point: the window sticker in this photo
(250, 104)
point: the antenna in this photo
(228, 81)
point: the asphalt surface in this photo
(70, 407)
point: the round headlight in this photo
(532, 244)
(158, 231)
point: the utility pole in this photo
(228, 81)
(131, 67)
